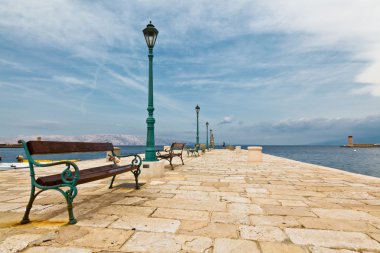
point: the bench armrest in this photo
(136, 160)
(158, 152)
(66, 175)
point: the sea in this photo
(364, 161)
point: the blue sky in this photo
(263, 72)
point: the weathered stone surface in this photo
(215, 230)
(147, 224)
(122, 210)
(194, 195)
(191, 225)
(130, 200)
(265, 201)
(181, 214)
(292, 203)
(223, 245)
(50, 249)
(97, 220)
(102, 238)
(244, 208)
(334, 239)
(288, 210)
(17, 243)
(198, 188)
(344, 214)
(230, 217)
(262, 233)
(6, 206)
(273, 220)
(276, 247)
(375, 236)
(187, 204)
(336, 224)
(166, 243)
(236, 199)
(256, 190)
(327, 250)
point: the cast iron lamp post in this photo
(197, 109)
(150, 34)
(207, 135)
(211, 138)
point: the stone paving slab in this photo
(217, 202)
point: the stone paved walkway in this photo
(215, 203)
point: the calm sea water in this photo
(360, 160)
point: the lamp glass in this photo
(197, 108)
(150, 34)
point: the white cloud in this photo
(71, 80)
(226, 120)
(81, 27)
(351, 26)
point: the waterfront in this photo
(214, 203)
(364, 161)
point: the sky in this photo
(263, 72)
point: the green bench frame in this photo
(176, 150)
(71, 176)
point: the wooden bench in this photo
(193, 151)
(175, 150)
(71, 176)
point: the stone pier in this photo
(217, 203)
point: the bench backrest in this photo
(59, 147)
(177, 146)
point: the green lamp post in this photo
(211, 144)
(150, 34)
(197, 109)
(206, 135)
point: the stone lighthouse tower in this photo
(350, 141)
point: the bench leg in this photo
(113, 179)
(69, 196)
(69, 201)
(170, 161)
(136, 173)
(72, 219)
(25, 219)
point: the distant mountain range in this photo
(116, 139)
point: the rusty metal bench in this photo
(175, 150)
(71, 176)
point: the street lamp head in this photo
(197, 108)
(207, 124)
(150, 34)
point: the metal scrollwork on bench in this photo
(137, 160)
(68, 176)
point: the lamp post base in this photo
(150, 156)
(153, 169)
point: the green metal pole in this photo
(207, 135)
(150, 153)
(197, 129)
(210, 138)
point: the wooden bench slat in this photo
(56, 147)
(88, 175)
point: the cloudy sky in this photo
(263, 72)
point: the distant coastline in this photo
(10, 145)
(361, 146)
